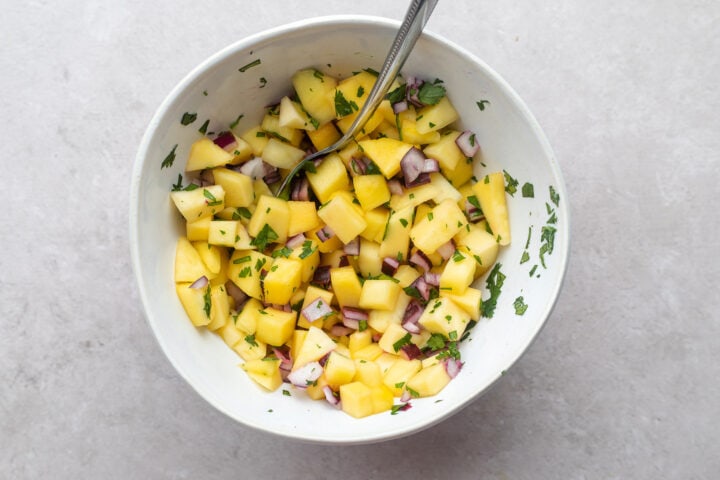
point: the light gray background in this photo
(622, 383)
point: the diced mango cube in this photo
(316, 345)
(205, 154)
(371, 191)
(244, 271)
(458, 273)
(346, 285)
(199, 203)
(312, 294)
(438, 227)
(379, 294)
(368, 372)
(376, 220)
(303, 217)
(324, 136)
(343, 218)
(238, 187)
(428, 381)
(198, 230)
(281, 155)
(386, 153)
(329, 177)
(399, 373)
(339, 369)
(189, 265)
(275, 327)
(194, 301)
(435, 117)
(444, 317)
(490, 191)
(469, 301)
(219, 307)
(223, 232)
(356, 399)
(282, 280)
(272, 217)
(314, 89)
(381, 398)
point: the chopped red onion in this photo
(400, 106)
(453, 367)
(421, 179)
(271, 174)
(306, 375)
(354, 313)
(447, 249)
(353, 247)
(351, 323)
(253, 168)
(412, 165)
(474, 214)
(411, 328)
(332, 397)
(430, 166)
(411, 351)
(359, 165)
(325, 234)
(422, 287)
(467, 143)
(301, 190)
(285, 361)
(412, 90)
(390, 266)
(201, 282)
(405, 397)
(376, 337)
(322, 275)
(206, 176)
(432, 278)
(419, 259)
(395, 187)
(344, 261)
(295, 241)
(317, 309)
(412, 314)
(226, 141)
(323, 360)
(341, 330)
(234, 291)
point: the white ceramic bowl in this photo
(510, 137)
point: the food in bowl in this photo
(221, 92)
(357, 288)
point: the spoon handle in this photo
(412, 26)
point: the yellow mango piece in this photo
(339, 370)
(315, 346)
(368, 372)
(358, 340)
(308, 255)
(223, 232)
(273, 212)
(281, 155)
(368, 352)
(371, 191)
(412, 197)
(296, 342)
(446, 151)
(462, 173)
(292, 115)
(314, 89)
(343, 218)
(189, 265)
(443, 316)
(330, 245)
(381, 398)
(303, 217)
(438, 226)
(428, 381)
(199, 203)
(409, 131)
(263, 366)
(315, 391)
(250, 348)
(230, 334)
(490, 191)
(246, 320)
(376, 220)
(399, 373)
(242, 238)
(397, 235)
(435, 117)
(210, 256)
(205, 154)
(469, 301)
(357, 87)
(194, 301)
(369, 260)
(282, 280)
(346, 285)
(329, 177)
(386, 153)
(244, 271)
(391, 337)
(324, 136)
(198, 230)
(219, 307)
(406, 275)
(238, 187)
(275, 327)
(380, 320)
(458, 273)
(268, 382)
(256, 138)
(385, 361)
(242, 151)
(379, 294)
(356, 399)
(271, 125)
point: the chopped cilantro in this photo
(360, 91)
(251, 340)
(494, 284)
(240, 260)
(520, 306)
(402, 342)
(436, 342)
(404, 222)
(528, 191)
(169, 159)
(286, 393)
(525, 257)
(237, 120)
(203, 128)
(399, 408)
(413, 393)
(511, 183)
(241, 212)
(211, 200)
(431, 93)
(397, 95)
(254, 63)
(307, 249)
(554, 196)
(265, 236)
(343, 107)
(532, 270)
(457, 256)
(245, 272)
(481, 104)
(188, 118)
(282, 252)
(207, 304)
(371, 71)
(362, 325)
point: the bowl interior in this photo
(220, 92)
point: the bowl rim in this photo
(313, 22)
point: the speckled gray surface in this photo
(622, 382)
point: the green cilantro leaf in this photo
(169, 159)
(520, 306)
(265, 236)
(343, 107)
(431, 93)
(494, 284)
(188, 118)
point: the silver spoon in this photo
(415, 19)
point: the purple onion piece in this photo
(422, 287)
(432, 278)
(422, 179)
(322, 275)
(412, 314)
(412, 165)
(331, 397)
(447, 249)
(271, 174)
(325, 234)
(238, 295)
(226, 141)
(295, 241)
(453, 367)
(395, 187)
(359, 165)
(351, 323)
(431, 166)
(317, 309)
(390, 266)
(411, 351)
(411, 328)
(399, 107)
(467, 143)
(344, 261)
(341, 330)
(301, 190)
(419, 259)
(306, 375)
(253, 168)
(201, 282)
(353, 247)
(354, 313)
(405, 397)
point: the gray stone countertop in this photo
(623, 382)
